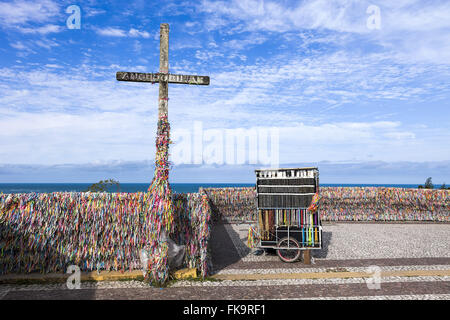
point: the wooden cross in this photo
(163, 77)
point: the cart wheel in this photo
(288, 255)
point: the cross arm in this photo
(162, 77)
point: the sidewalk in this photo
(62, 277)
(410, 270)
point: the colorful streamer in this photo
(105, 231)
(47, 232)
(344, 204)
(298, 220)
(253, 237)
(384, 204)
(161, 206)
(232, 204)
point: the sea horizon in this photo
(47, 187)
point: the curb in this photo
(89, 276)
(328, 275)
(188, 273)
(62, 277)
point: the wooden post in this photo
(163, 68)
(307, 256)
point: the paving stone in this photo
(347, 247)
(240, 292)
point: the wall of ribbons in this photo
(344, 204)
(232, 204)
(192, 228)
(96, 231)
(105, 231)
(384, 204)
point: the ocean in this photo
(142, 187)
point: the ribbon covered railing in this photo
(384, 204)
(232, 204)
(47, 232)
(192, 229)
(344, 204)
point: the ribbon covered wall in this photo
(105, 231)
(192, 229)
(344, 204)
(47, 232)
(384, 204)
(232, 204)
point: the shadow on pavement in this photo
(223, 251)
(61, 291)
(326, 240)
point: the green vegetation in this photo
(429, 185)
(444, 187)
(102, 186)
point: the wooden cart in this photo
(284, 221)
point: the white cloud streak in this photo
(67, 115)
(117, 32)
(415, 29)
(49, 28)
(22, 12)
(81, 113)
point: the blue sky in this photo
(365, 105)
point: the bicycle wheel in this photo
(289, 255)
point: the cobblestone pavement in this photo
(259, 292)
(416, 247)
(365, 241)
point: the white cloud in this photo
(187, 43)
(59, 137)
(136, 33)
(49, 28)
(277, 17)
(190, 24)
(300, 83)
(79, 137)
(213, 44)
(142, 171)
(22, 12)
(415, 29)
(356, 141)
(26, 47)
(334, 79)
(55, 66)
(207, 55)
(400, 135)
(112, 32)
(137, 46)
(46, 43)
(337, 15)
(18, 45)
(92, 12)
(23, 48)
(117, 32)
(66, 115)
(416, 16)
(239, 44)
